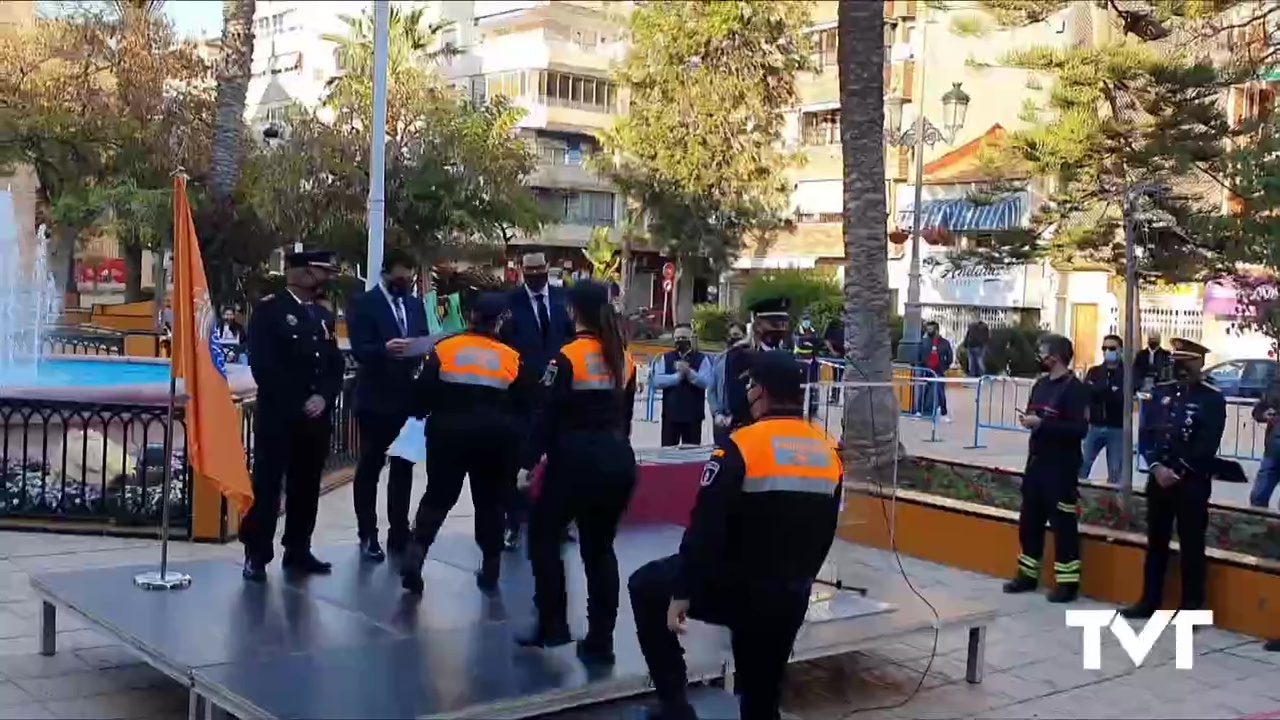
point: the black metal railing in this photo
(62, 342)
(72, 462)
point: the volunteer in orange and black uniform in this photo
(474, 389)
(583, 424)
(764, 521)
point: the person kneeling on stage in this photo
(763, 524)
(473, 388)
(1057, 416)
(583, 424)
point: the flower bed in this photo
(1239, 530)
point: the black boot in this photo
(1140, 610)
(1272, 645)
(1020, 583)
(1064, 593)
(487, 575)
(511, 539)
(254, 570)
(302, 561)
(544, 638)
(411, 561)
(596, 651)
(370, 550)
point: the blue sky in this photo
(192, 18)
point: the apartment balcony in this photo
(824, 163)
(824, 12)
(562, 235)
(565, 116)
(571, 56)
(514, 14)
(899, 8)
(819, 88)
(558, 168)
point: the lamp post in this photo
(378, 133)
(955, 105)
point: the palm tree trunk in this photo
(870, 414)
(234, 69)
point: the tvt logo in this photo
(1138, 645)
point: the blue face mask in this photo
(1110, 355)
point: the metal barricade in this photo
(916, 389)
(995, 405)
(1243, 437)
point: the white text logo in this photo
(1139, 644)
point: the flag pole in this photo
(165, 579)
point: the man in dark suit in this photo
(382, 322)
(294, 356)
(539, 324)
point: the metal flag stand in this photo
(164, 578)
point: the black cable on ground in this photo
(893, 542)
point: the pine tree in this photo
(1141, 107)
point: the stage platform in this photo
(352, 645)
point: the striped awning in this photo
(963, 215)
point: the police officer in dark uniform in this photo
(1188, 419)
(294, 356)
(770, 328)
(1057, 415)
(473, 389)
(763, 524)
(583, 425)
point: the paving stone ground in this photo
(1033, 660)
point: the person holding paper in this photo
(385, 324)
(473, 389)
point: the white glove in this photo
(723, 420)
(522, 479)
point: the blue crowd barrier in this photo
(998, 398)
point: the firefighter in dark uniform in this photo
(1057, 416)
(805, 345)
(583, 425)
(763, 524)
(472, 388)
(294, 356)
(1189, 417)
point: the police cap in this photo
(1187, 349)
(487, 307)
(778, 372)
(771, 307)
(319, 259)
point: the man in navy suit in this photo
(538, 326)
(382, 323)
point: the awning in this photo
(963, 215)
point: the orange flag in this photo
(214, 448)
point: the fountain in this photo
(81, 437)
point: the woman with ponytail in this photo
(583, 426)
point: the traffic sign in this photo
(668, 271)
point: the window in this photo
(824, 49)
(586, 39)
(272, 25)
(594, 209)
(819, 217)
(820, 128)
(577, 91)
(508, 84)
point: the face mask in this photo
(1182, 369)
(735, 339)
(773, 339)
(398, 287)
(1046, 363)
(931, 332)
(535, 282)
(683, 345)
(1110, 355)
(1153, 344)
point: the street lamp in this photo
(955, 106)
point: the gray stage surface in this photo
(352, 645)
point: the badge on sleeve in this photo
(291, 319)
(709, 472)
(549, 375)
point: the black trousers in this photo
(488, 461)
(589, 479)
(377, 432)
(289, 452)
(675, 432)
(763, 619)
(1050, 498)
(1186, 502)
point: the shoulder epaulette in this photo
(265, 298)
(1211, 386)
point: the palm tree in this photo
(870, 414)
(411, 46)
(234, 69)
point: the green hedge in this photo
(812, 290)
(711, 322)
(1012, 351)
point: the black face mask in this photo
(398, 287)
(682, 346)
(1154, 344)
(1183, 370)
(535, 283)
(735, 339)
(931, 332)
(773, 339)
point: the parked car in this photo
(1245, 378)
